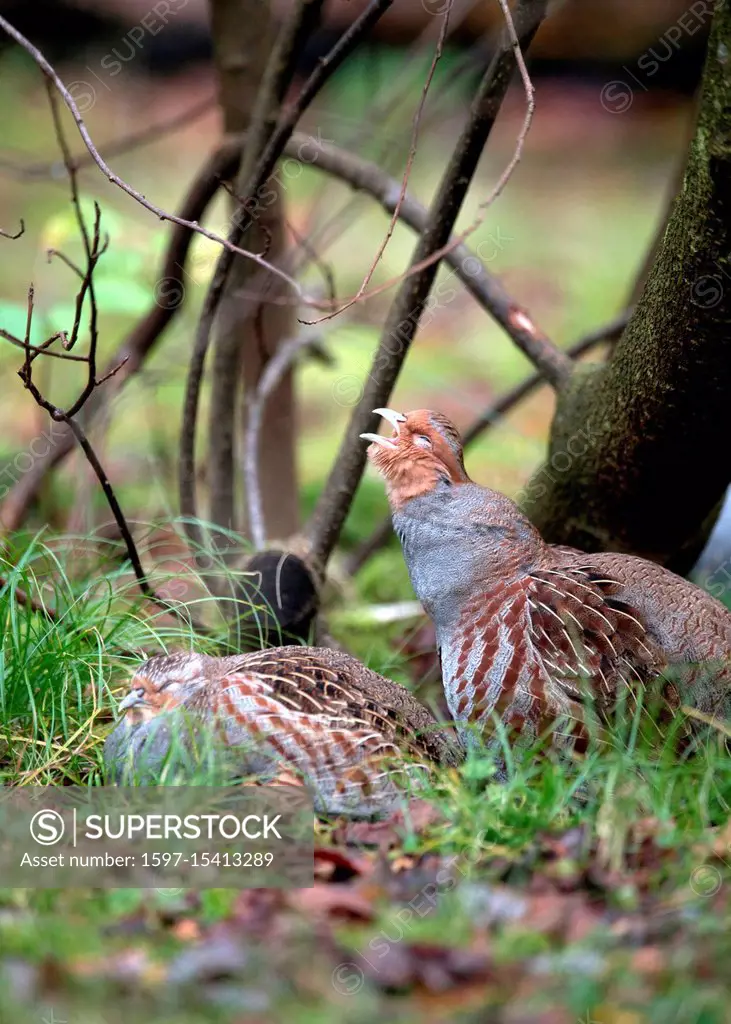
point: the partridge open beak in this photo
(384, 442)
(394, 418)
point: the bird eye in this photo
(140, 691)
(421, 441)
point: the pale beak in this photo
(132, 700)
(392, 417)
(384, 442)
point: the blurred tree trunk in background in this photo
(250, 324)
(639, 455)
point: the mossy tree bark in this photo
(639, 455)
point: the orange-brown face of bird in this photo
(423, 450)
(147, 698)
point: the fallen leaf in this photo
(339, 901)
(389, 833)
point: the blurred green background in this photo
(566, 237)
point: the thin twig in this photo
(61, 416)
(38, 349)
(273, 150)
(120, 147)
(274, 371)
(116, 510)
(68, 99)
(434, 257)
(492, 415)
(142, 339)
(93, 249)
(66, 260)
(482, 285)
(415, 124)
(305, 243)
(400, 88)
(403, 319)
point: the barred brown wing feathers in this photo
(593, 635)
(343, 756)
(317, 679)
(544, 645)
(490, 660)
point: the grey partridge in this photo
(357, 739)
(532, 635)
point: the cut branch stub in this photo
(276, 601)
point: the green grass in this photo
(641, 820)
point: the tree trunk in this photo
(251, 324)
(638, 455)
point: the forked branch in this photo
(93, 249)
(68, 99)
(265, 165)
(403, 319)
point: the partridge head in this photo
(530, 633)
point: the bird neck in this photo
(458, 540)
(408, 480)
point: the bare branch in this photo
(170, 293)
(397, 93)
(111, 373)
(440, 253)
(305, 244)
(272, 376)
(37, 349)
(62, 416)
(68, 99)
(482, 285)
(115, 508)
(266, 163)
(416, 121)
(93, 248)
(403, 318)
(120, 147)
(249, 325)
(222, 165)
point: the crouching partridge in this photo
(531, 634)
(357, 739)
